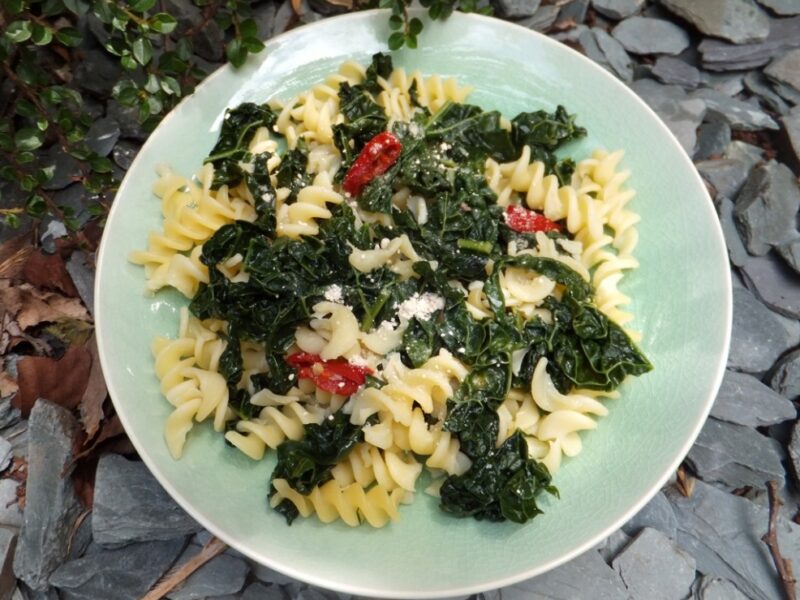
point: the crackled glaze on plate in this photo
(681, 299)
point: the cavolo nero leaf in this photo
(238, 128)
(307, 463)
(541, 129)
(501, 484)
(471, 133)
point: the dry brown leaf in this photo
(8, 384)
(13, 255)
(29, 306)
(110, 428)
(61, 381)
(48, 272)
(11, 335)
(94, 395)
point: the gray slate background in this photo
(725, 77)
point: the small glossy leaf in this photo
(100, 164)
(152, 85)
(28, 138)
(170, 85)
(69, 36)
(253, 45)
(51, 8)
(128, 62)
(18, 31)
(414, 26)
(236, 53)
(25, 108)
(142, 50)
(35, 206)
(396, 40)
(411, 41)
(163, 23)
(24, 158)
(14, 7)
(248, 28)
(41, 36)
(142, 5)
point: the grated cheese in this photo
(422, 307)
(333, 293)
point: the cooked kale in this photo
(307, 463)
(238, 128)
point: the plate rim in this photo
(726, 309)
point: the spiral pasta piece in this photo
(351, 503)
(300, 217)
(366, 464)
(398, 254)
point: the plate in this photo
(681, 299)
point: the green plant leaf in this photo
(414, 26)
(35, 206)
(128, 62)
(253, 44)
(14, 7)
(28, 138)
(163, 23)
(69, 36)
(100, 164)
(41, 36)
(142, 50)
(18, 31)
(236, 53)
(396, 40)
(142, 5)
(248, 28)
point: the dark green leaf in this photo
(69, 36)
(396, 40)
(141, 6)
(163, 23)
(142, 50)
(28, 138)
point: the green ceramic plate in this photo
(682, 299)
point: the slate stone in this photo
(729, 84)
(786, 378)
(544, 17)
(739, 21)
(743, 151)
(774, 283)
(642, 35)
(515, 9)
(735, 456)
(786, 69)
(223, 574)
(267, 575)
(757, 84)
(726, 175)
(574, 10)
(131, 506)
(737, 253)
(744, 400)
(656, 514)
(259, 591)
(715, 588)
(782, 7)
(8, 542)
(738, 114)
(784, 34)
(209, 42)
(102, 135)
(790, 253)
(723, 533)
(654, 567)
(681, 114)
(794, 451)
(8, 414)
(283, 17)
(124, 153)
(791, 126)
(51, 506)
(81, 540)
(184, 12)
(674, 71)
(759, 335)
(6, 454)
(126, 116)
(10, 512)
(29, 594)
(587, 577)
(123, 574)
(613, 545)
(712, 140)
(264, 16)
(97, 73)
(75, 198)
(766, 207)
(617, 9)
(616, 57)
(66, 169)
(83, 278)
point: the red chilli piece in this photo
(302, 359)
(523, 220)
(378, 155)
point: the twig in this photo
(782, 565)
(176, 576)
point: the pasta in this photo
(415, 288)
